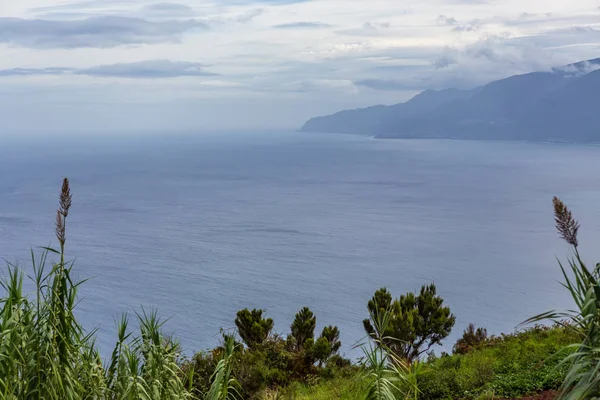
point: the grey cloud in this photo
(99, 32)
(472, 27)
(302, 25)
(34, 71)
(451, 21)
(383, 84)
(486, 60)
(168, 10)
(444, 61)
(250, 15)
(581, 68)
(154, 69)
(367, 29)
(444, 20)
(147, 69)
(266, 2)
(80, 6)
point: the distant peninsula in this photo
(562, 104)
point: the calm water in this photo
(202, 226)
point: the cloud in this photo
(383, 84)
(147, 69)
(367, 29)
(249, 15)
(98, 32)
(153, 69)
(302, 25)
(168, 10)
(34, 71)
(581, 68)
(80, 6)
(266, 2)
(471, 27)
(318, 85)
(444, 20)
(444, 61)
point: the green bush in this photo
(417, 321)
(509, 365)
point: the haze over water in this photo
(201, 226)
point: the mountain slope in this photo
(558, 105)
(370, 120)
(572, 112)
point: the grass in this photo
(506, 366)
(46, 354)
(342, 388)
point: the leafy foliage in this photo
(506, 366)
(582, 380)
(252, 327)
(45, 353)
(471, 338)
(417, 322)
(328, 344)
(303, 327)
(388, 377)
(223, 386)
(510, 366)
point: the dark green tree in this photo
(332, 334)
(470, 339)
(326, 345)
(303, 327)
(417, 321)
(252, 327)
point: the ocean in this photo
(199, 226)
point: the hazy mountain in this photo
(561, 104)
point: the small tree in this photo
(252, 327)
(471, 338)
(417, 322)
(327, 344)
(332, 334)
(303, 327)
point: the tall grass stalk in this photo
(583, 377)
(46, 354)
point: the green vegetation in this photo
(506, 366)
(416, 322)
(46, 354)
(583, 378)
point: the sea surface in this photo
(202, 225)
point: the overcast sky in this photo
(193, 64)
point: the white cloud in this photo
(304, 55)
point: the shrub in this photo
(509, 365)
(252, 327)
(471, 338)
(417, 322)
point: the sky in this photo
(95, 65)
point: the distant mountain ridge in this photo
(561, 104)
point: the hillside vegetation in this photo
(46, 354)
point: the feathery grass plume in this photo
(64, 204)
(583, 361)
(566, 225)
(46, 354)
(66, 198)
